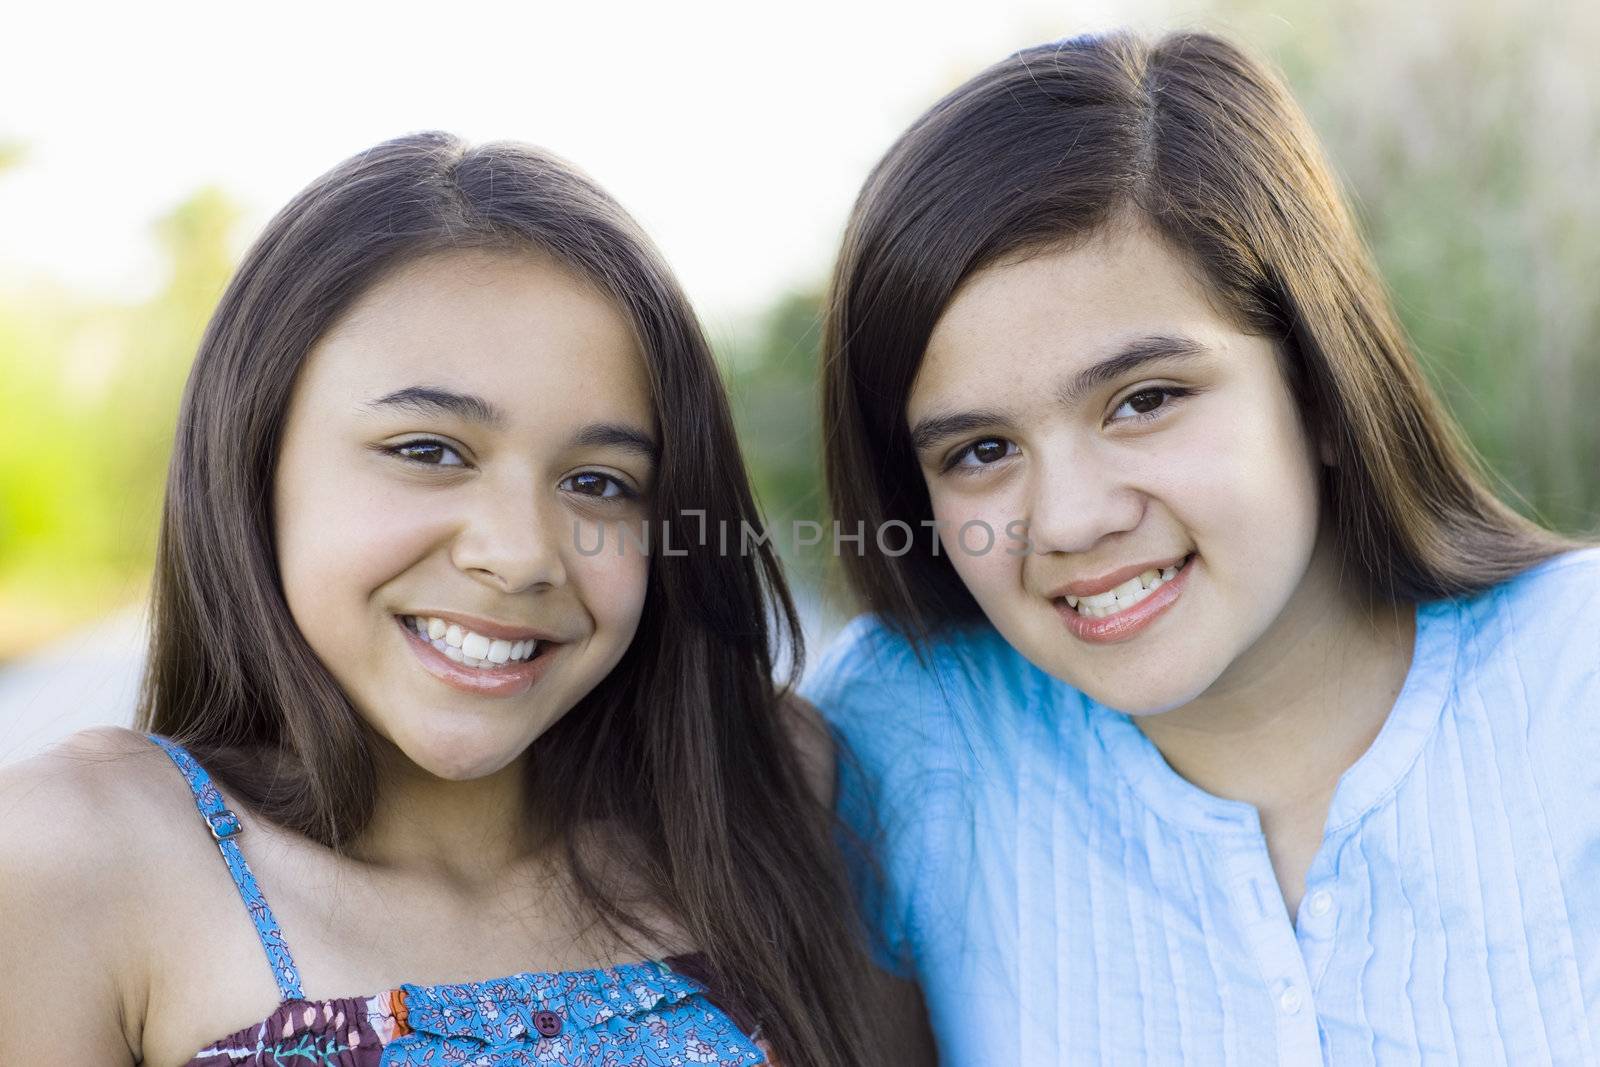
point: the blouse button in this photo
(548, 1023)
(1321, 903)
(1290, 1001)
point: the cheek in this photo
(973, 532)
(1247, 490)
(340, 537)
(613, 588)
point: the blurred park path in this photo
(89, 678)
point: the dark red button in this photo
(547, 1023)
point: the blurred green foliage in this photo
(91, 394)
(1467, 133)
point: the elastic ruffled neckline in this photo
(502, 1009)
(602, 1007)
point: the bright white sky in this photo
(737, 132)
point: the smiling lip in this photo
(1125, 624)
(486, 627)
(511, 680)
(1107, 582)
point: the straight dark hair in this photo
(1193, 137)
(686, 746)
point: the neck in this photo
(467, 833)
(1291, 715)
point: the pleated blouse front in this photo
(1063, 896)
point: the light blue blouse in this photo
(1064, 897)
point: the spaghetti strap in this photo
(225, 827)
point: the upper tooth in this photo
(475, 645)
(1072, 601)
(1126, 590)
(499, 651)
(1168, 572)
(1148, 578)
(454, 635)
(437, 628)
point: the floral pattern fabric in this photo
(635, 1015)
(646, 1014)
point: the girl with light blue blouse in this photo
(1211, 708)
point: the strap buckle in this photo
(224, 824)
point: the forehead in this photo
(517, 327)
(1064, 307)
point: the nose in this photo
(1077, 498)
(510, 541)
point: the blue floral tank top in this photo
(646, 1014)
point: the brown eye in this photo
(989, 451)
(1148, 400)
(1151, 403)
(592, 483)
(429, 453)
(984, 453)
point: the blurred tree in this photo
(1468, 133)
(772, 379)
(93, 388)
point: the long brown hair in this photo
(1054, 142)
(684, 745)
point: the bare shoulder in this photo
(103, 778)
(73, 866)
(82, 791)
(813, 741)
(77, 822)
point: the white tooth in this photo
(476, 646)
(521, 649)
(437, 628)
(499, 651)
(1072, 601)
(453, 652)
(453, 635)
(1126, 590)
(531, 650)
(440, 645)
(1149, 578)
(1168, 573)
(1100, 600)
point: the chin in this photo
(460, 755)
(1138, 697)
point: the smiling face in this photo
(1185, 461)
(451, 442)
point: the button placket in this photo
(1273, 942)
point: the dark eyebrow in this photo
(1129, 358)
(616, 435)
(432, 400)
(934, 429)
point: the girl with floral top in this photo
(464, 741)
